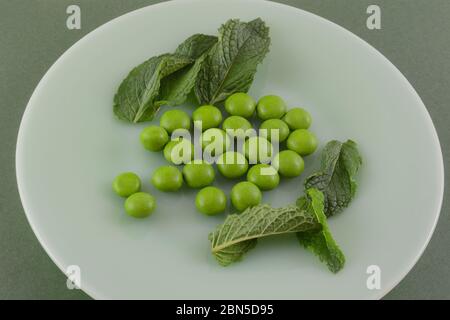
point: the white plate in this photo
(70, 147)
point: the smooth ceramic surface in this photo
(70, 147)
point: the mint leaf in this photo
(231, 64)
(221, 67)
(321, 243)
(176, 87)
(340, 163)
(239, 233)
(195, 46)
(134, 100)
(327, 193)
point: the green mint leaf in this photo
(231, 64)
(195, 46)
(239, 233)
(340, 163)
(176, 87)
(321, 243)
(134, 100)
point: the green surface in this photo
(33, 35)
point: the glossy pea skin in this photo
(209, 116)
(198, 174)
(179, 151)
(257, 150)
(127, 183)
(267, 179)
(297, 118)
(240, 104)
(275, 124)
(140, 205)
(167, 178)
(232, 164)
(235, 126)
(289, 163)
(211, 201)
(271, 107)
(175, 119)
(302, 141)
(245, 194)
(154, 138)
(215, 141)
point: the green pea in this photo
(297, 118)
(264, 176)
(289, 163)
(236, 126)
(245, 194)
(210, 201)
(179, 151)
(275, 124)
(175, 119)
(198, 174)
(127, 183)
(215, 141)
(302, 141)
(154, 138)
(271, 107)
(240, 104)
(167, 178)
(208, 116)
(140, 205)
(232, 164)
(258, 150)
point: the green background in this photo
(33, 34)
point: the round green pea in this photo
(258, 150)
(198, 174)
(289, 163)
(167, 178)
(297, 118)
(245, 194)
(154, 138)
(232, 164)
(264, 176)
(179, 151)
(271, 107)
(275, 124)
(240, 104)
(215, 141)
(236, 126)
(175, 119)
(211, 201)
(208, 116)
(127, 183)
(140, 205)
(302, 141)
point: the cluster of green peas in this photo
(290, 127)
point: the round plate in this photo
(70, 147)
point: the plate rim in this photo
(91, 292)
